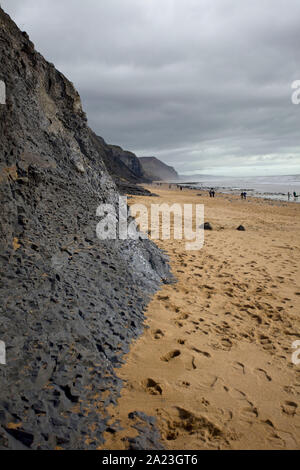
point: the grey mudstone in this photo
(148, 437)
(70, 304)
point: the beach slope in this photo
(214, 365)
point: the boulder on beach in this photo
(206, 226)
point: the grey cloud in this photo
(203, 85)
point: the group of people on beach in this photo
(212, 192)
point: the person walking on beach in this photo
(245, 195)
(289, 196)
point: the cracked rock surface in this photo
(70, 304)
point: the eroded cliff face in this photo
(156, 170)
(126, 179)
(70, 304)
(131, 161)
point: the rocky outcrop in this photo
(125, 179)
(115, 167)
(131, 161)
(156, 170)
(128, 180)
(70, 304)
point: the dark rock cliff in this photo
(114, 165)
(131, 161)
(127, 171)
(70, 304)
(126, 179)
(156, 170)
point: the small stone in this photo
(79, 166)
(206, 226)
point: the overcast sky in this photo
(204, 85)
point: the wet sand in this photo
(214, 365)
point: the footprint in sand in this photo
(181, 341)
(193, 364)
(289, 408)
(182, 316)
(184, 384)
(266, 343)
(182, 421)
(171, 355)
(229, 292)
(292, 389)
(255, 317)
(158, 334)
(204, 353)
(237, 394)
(284, 440)
(263, 373)
(249, 413)
(226, 344)
(163, 297)
(269, 423)
(239, 367)
(152, 387)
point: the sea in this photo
(268, 187)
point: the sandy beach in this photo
(214, 365)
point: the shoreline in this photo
(213, 365)
(225, 191)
